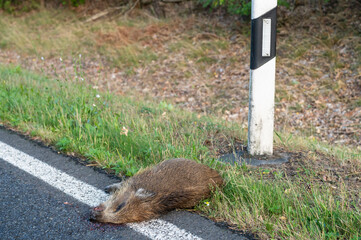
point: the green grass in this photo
(282, 210)
(81, 120)
(124, 134)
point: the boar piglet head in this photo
(124, 206)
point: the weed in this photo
(64, 144)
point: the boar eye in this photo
(120, 207)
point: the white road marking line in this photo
(162, 230)
(79, 190)
(85, 193)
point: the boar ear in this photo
(142, 193)
(113, 187)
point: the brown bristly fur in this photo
(175, 183)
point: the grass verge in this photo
(124, 134)
(119, 133)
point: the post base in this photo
(243, 157)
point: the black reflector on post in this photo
(257, 59)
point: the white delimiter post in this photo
(262, 79)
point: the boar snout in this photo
(98, 209)
(95, 213)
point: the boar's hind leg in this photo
(113, 187)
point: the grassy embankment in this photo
(125, 133)
(202, 63)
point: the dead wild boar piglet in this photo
(175, 183)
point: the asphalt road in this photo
(31, 208)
